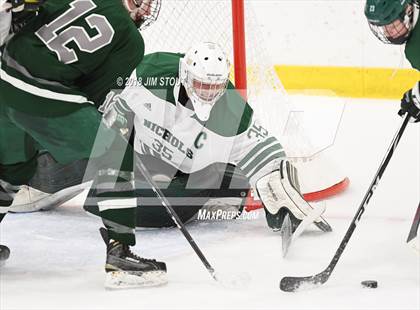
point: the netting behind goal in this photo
(183, 23)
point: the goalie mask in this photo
(204, 72)
(143, 12)
(391, 20)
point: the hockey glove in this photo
(117, 114)
(279, 192)
(410, 103)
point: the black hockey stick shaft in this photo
(140, 165)
(290, 284)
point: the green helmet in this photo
(390, 20)
(384, 12)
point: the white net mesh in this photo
(183, 23)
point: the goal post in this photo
(239, 51)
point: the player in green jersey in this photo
(56, 69)
(395, 22)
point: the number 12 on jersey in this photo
(57, 42)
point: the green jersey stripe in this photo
(263, 155)
(255, 150)
(265, 163)
(34, 90)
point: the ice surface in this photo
(57, 257)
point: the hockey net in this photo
(183, 23)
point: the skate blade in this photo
(116, 280)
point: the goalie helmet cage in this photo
(233, 24)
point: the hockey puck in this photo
(370, 283)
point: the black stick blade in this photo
(292, 284)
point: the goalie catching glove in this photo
(280, 195)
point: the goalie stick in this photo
(291, 284)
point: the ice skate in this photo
(127, 270)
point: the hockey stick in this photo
(142, 168)
(291, 284)
(236, 280)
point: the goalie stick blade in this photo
(286, 234)
(289, 238)
(292, 284)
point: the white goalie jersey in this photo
(166, 126)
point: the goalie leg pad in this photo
(280, 189)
